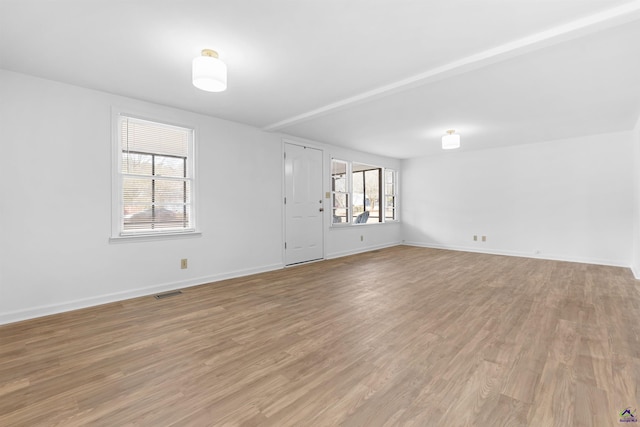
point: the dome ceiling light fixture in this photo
(209, 73)
(451, 140)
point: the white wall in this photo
(568, 200)
(635, 261)
(55, 203)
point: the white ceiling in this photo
(388, 77)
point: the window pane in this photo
(339, 176)
(141, 220)
(391, 202)
(339, 183)
(390, 214)
(136, 195)
(168, 217)
(390, 208)
(136, 163)
(372, 193)
(340, 216)
(389, 189)
(366, 193)
(340, 208)
(358, 193)
(170, 193)
(170, 166)
(340, 200)
(389, 176)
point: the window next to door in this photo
(362, 193)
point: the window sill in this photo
(154, 237)
(338, 225)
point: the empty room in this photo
(319, 213)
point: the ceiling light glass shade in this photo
(451, 140)
(209, 73)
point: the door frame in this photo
(283, 192)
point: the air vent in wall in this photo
(168, 294)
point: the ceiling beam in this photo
(607, 19)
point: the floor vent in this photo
(168, 294)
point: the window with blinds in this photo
(156, 177)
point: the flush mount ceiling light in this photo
(209, 73)
(450, 140)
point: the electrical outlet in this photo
(361, 238)
(475, 237)
(183, 263)
(484, 238)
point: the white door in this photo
(303, 204)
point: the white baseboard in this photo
(361, 250)
(551, 257)
(46, 310)
(636, 272)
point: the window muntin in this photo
(155, 178)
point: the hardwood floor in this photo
(403, 336)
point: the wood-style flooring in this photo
(403, 336)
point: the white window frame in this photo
(383, 202)
(117, 220)
(394, 195)
(349, 193)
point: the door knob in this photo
(321, 210)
